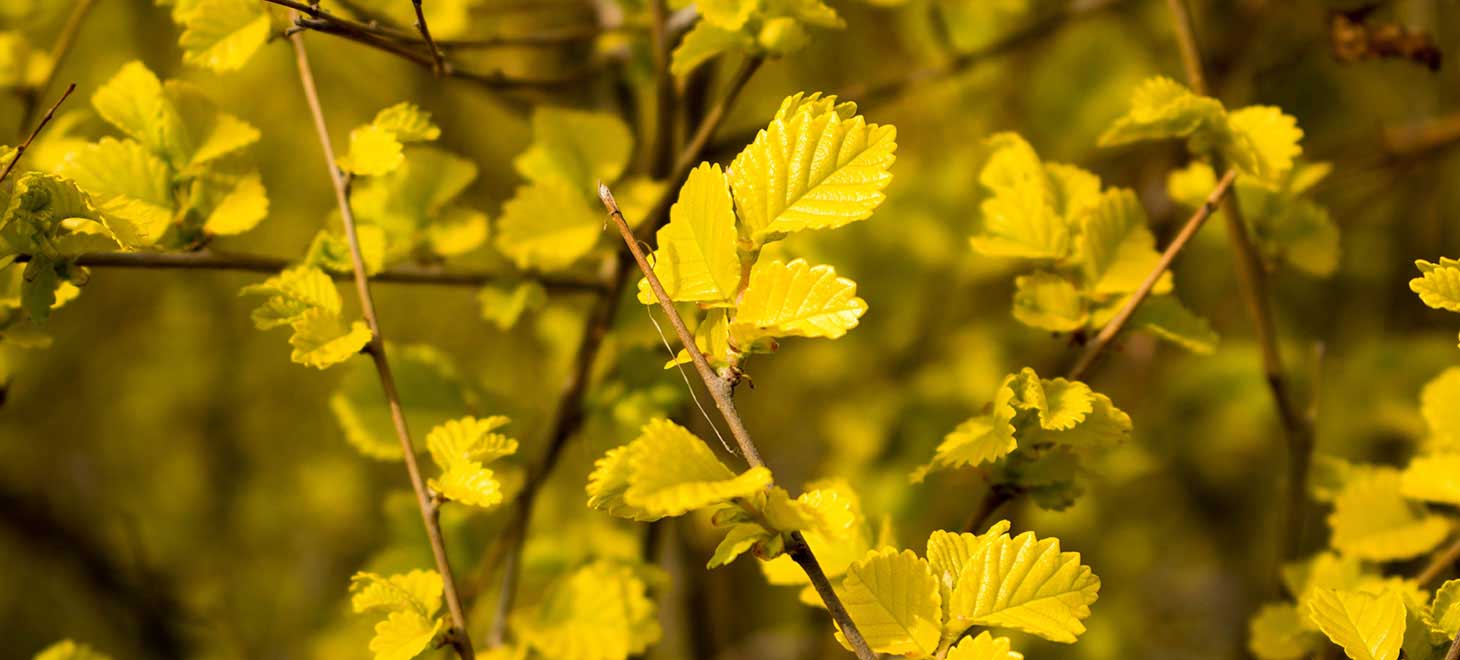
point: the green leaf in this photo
(795, 300)
(431, 393)
(1366, 626)
(222, 35)
(205, 133)
(243, 208)
(40, 206)
(1049, 302)
(133, 101)
(1264, 142)
(322, 340)
(131, 187)
(1061, 404)
(601, 611)
(1433, 478)
(1021, 218)
(983, 439)
(70, 650)
(1446, 610)
(666, 471)
(1105, 426)
(704, 42)
(1163, 108)
(1372, 520)
(1025, 584)
(1439, 286)
(696, 259)
(1117, 250)
(408, 122)
(413, 204)
(291, 294)
(739, 540)
(1167, 318)
(1279, 632)
(579, 149)
(547, 226)
(949, 552)
(811, 172)
(504, 303)
(894, 600)
(38, 289)
(984, 646)
(331, 251)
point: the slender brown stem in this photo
(1409, 140)
(1117, 322)
(569, 416)
(661, 158)
(1252, 285)
(1439, 563)
(253, 263)
(720, 389)
(59, 50)
(436, 65)
(1454, 652)
(997, 496)
(20, 150)
(457, 636)
(395, 43)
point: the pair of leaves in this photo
(415, 203)
(666, 471)
(828, 514)
(1037, 414)
(304, 298)
(409, 602)
(554, 220)
(379, 146)
(775, 27)
(1438, 284)
(1259, 141)
(1372, 519)
(908, 605)
(462, 448)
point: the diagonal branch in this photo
(59, 50)
(457, 635)
(1252, 284)
(569, 416)
(20, 150)
(436, 66)
(721, 390)
(1116, 323)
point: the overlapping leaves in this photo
(409, 603)
(462, 449)
(304, 298)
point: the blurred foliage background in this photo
(170, 484)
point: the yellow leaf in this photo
(578, 149)
(601, 611)
(666, 471)
(131, 187)
(1061, 404)
(949, 552)
(1372, 520)
(979, 440)
(1432, 479)
(1366, 626)
(418, 591)
(222, 35)
(548, 226)
(1117, 249)
(1438, 286)
(811, 172)
(795, 300)
(893, 598)
(373, 151)
(241, 209)
(1264, 142)
(403, 635)
(1440, 406)
(1163, 108)
(1049, 302)
(696, 260)
(292, 293)
(70, 650)
(1025, 584)
(984, 647)
(1279, 632)
(322, 340)
(1022, 216)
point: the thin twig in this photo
(253, 263)
(661, 156)
(1454, 652)
(1413, 139)
(1438, 564)
(59, 50)
(1252, 284)
(1116, 323)
(457, 636)
(20, 150)
(569, 416)
(436, 65)
(720, 389)
(395, 43)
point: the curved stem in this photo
(20, 150)
(457, 635)
(720, 390)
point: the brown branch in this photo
(1414, 139)
(568, 418)
(400, 45)
(20, 150)
(252, 263)
(436, 65)
(1454, 652)
(1117, 322)
(59, 50)
(1252, 285)
(721, 390)
(457, 635)
(1439, 563)
(661, 156)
